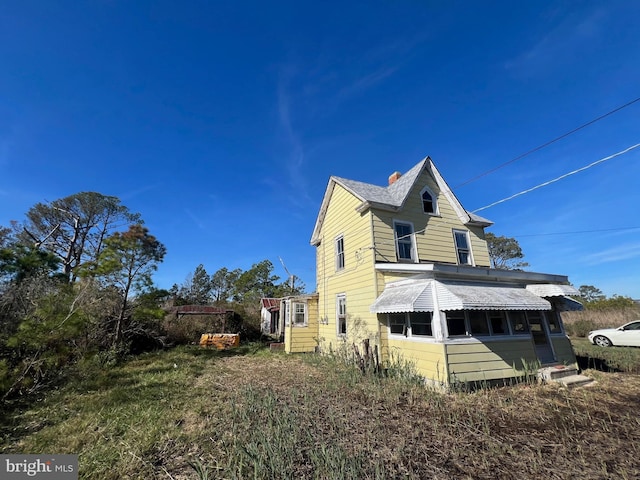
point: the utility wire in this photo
(622, 152)
(620, 229)
(540, 147)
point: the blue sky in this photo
(222, 122)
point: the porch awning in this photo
(415, 297)
(487, 297)
(552, 290)
(418, 297)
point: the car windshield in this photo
(632, 326)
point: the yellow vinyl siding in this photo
(356, 279)
(299, 339)
(428, 358)
(563, 349)
(471, 362)
(434, 237)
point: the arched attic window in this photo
(429, 202)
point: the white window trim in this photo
(455, 245)
(305, 313)
(414, 243)
(341, 296)
(336, 253)
(434, 200)
(408, 335)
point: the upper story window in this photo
(463, 247)
(405, 241)
(429, 202)
(339, 250)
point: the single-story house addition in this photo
(406, 267)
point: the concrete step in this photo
(555, 372)
(575, 381)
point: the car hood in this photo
(603, 330)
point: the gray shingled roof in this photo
(392, 195)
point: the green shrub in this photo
(580, 328)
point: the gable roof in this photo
(394, 196)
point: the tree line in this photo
(76, 282)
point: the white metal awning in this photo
(419, 297)
(415, 297)
(552, 290)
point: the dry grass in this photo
(261, 415)
(579, 323)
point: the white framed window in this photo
(339, 252)
(412, 324)
(463, 247)
(341, 313)
(405, 242)
(429, 201)
(479, 323)
(299, 314)
(420, 324)
(397, 323)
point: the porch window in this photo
(478, 322)
(398, 323)
(299, 314)
(456, 325)
(554, 322)
(420, 324)
(518, 321)
(498, 323)
(339, 248)
(405, 248)
(341, 313)
(463, 251)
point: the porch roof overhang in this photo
(552, 290)
(429, 295)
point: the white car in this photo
(628, 335)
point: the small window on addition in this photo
(299, 314)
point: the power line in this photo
(540, 147)
(620, 229)
(622, 152)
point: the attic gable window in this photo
(429, 203)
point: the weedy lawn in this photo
(192, 413)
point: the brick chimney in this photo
(394, 177)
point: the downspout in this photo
(376, 290)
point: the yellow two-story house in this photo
(405, 266)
